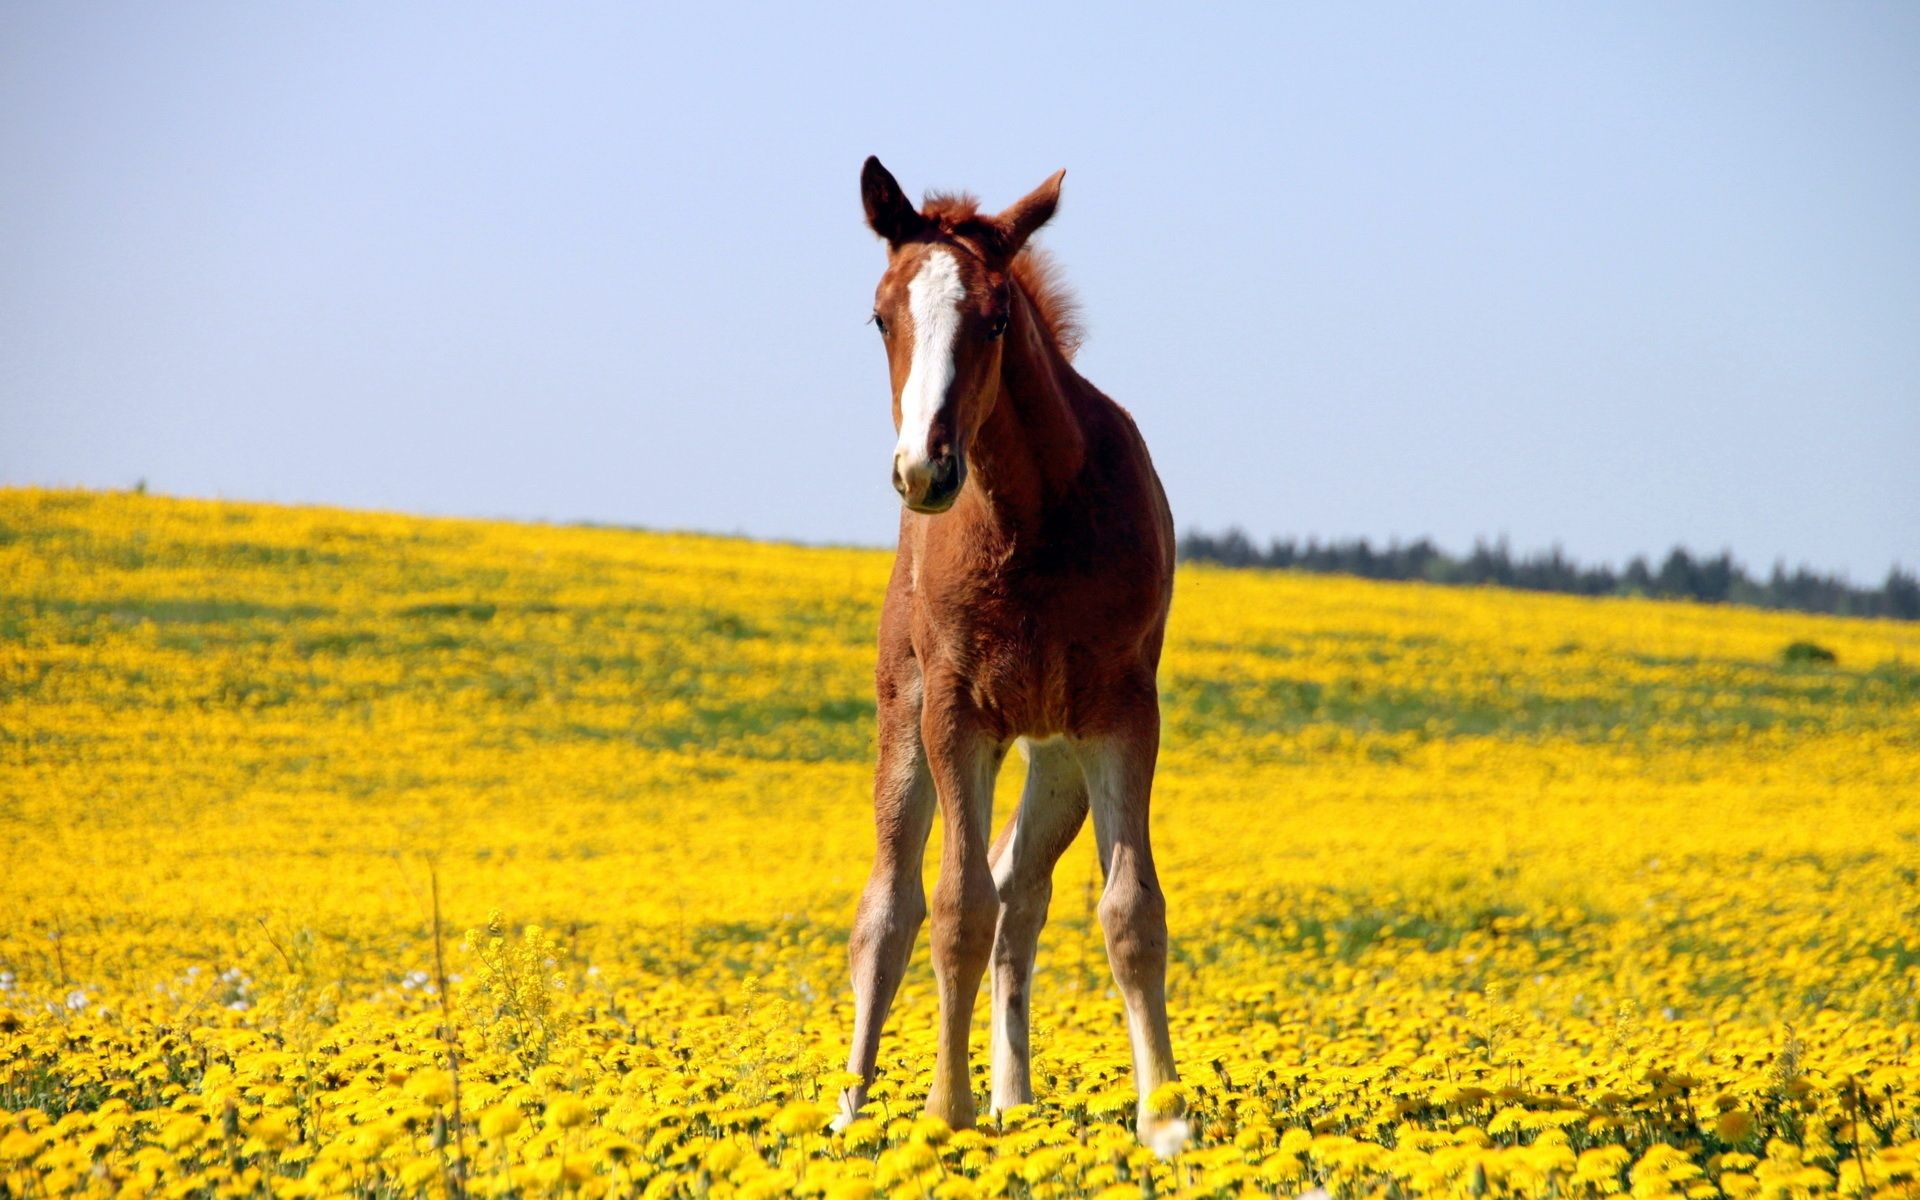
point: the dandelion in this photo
(1734, 1126)
(722, 1157)
(801, 1117)
(501, 1121)
(1168, 1100)
(568, 1112)
(272, 1130)
(932, 1130)
(862, 1134)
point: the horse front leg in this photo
(893, 904)
(964, 761)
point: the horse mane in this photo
(1033, 270)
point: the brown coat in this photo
(1028, 602)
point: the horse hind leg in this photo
(1053, 805)
(1133, 914)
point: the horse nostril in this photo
(899, 481)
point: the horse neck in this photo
(1032, 445)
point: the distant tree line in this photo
(1681, 575)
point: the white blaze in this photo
(933, 297)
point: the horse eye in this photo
(996, 327)
(880, 323)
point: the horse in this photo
(1027, 604)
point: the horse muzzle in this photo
(929, 485)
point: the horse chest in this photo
(1026, 651)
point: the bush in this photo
(1801, 653)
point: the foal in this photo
(1028, 601)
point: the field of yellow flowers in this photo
(347, 853)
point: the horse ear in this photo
(889, 213)
(1030, 212)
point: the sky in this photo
(1614, 277)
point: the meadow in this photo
(346, 853)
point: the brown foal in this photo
(1028, 602)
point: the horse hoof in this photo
(958, 1114)
(1165, 1136)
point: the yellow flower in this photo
(418, 1174)
(799, 1117)
(568, 1112)
(501, 1121)
(1168, 1100)
(956, 1188)
(272, 1129)
(932, 1130)
(431, 1086)
(1735, 1125)
(722, 1157)
(862, 1134)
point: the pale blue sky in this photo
(1612, 276)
